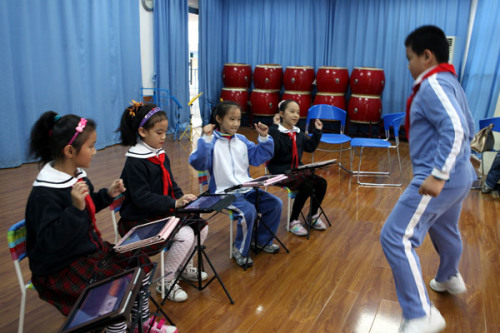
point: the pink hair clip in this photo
(79, 129)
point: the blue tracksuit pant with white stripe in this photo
(440, 133)
(270, 209)
(405, 229)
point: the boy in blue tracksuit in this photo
(227, 156)
(440, 129)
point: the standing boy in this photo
(439, 128)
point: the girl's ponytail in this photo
(52, 132)
(131, 120)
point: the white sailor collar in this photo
(142, 150)
(50, 177)
(283, 129)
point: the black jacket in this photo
(282, 159)
(144, 195)
(57, 232)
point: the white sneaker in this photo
(317, 223)
(191, 274)
(455, 285)
(297, 229)
(177, 294)
(432, 323)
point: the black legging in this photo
(304, 192)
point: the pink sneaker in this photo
(157, 327)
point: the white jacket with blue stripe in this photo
(228, 160)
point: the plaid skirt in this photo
(296, 179)
(62, 289)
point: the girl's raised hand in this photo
(261, 128)
(276, 119)
(116, 188)
(208, 129)
(78, 193)
(318, 124)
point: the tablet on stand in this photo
(104, 303)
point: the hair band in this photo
(57, 117)
(149, 115)
(79, 129)
(279, 104)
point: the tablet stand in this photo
(312, 167)
(138, 321)
(200, 250)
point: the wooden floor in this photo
(337, 281)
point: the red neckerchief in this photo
(89, 204)
(443, 67)
(167, 182)
(295, 155)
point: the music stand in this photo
(255, 184)
(189, 128)
(195, 222)
(312, 167)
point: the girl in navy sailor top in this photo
(64, 245)
(289, 144)
(152, 192)
(227, 156)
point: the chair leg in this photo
(288, 214)
(21, 312)
(162, 268)
(230, 237)
(374, 173)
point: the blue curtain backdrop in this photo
(210, 54)
(80, 57)
(482, 71)
(322, 33)
(172, 58)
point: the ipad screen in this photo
(100, 301)
(145, 232)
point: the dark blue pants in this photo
(494, 173)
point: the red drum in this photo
(367, 81)
(237, 75)
(303, 99)
(238, 95)
(337, 100)
(332, 79)
(365, 108)
(298, 78)
(268, 76)
(264, 102)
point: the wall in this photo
(147, 47)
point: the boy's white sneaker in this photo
(432, 323)
(455, 285)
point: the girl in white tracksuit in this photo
(227, 156)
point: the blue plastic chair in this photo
(358, 144)
(331, 113)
